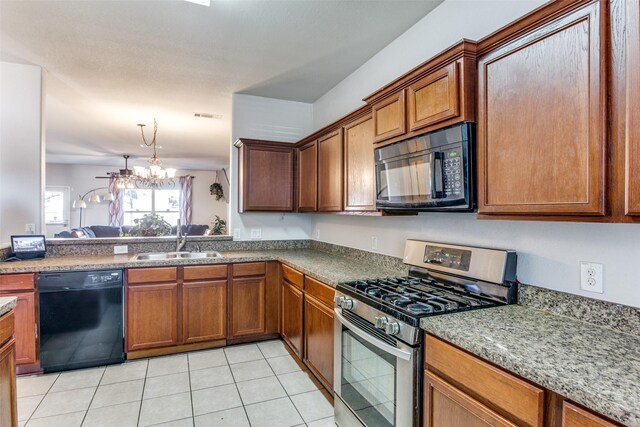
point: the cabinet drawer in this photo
(7, 322)
(574, 416)
(523, 402)
(205, 272)
(292, 276)
(249, 269)
(319, 290)
(152, 275)
(17, 282)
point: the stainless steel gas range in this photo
(378, 341)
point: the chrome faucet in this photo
(181, 240)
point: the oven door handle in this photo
(404, 355)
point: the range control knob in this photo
(347, 303)
(339, 301)
(392, 328)
(381, 322)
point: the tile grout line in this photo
(144, 384)
(193, 412)
(41, 400)
(235, 383)
(104, 369)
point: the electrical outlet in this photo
(591, 277)
(30, 228)
(256, 233)
(120, 249)
(236, 234)
(374, 243)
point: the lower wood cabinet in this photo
(22, 287)
(152, 316)
(291, 309)
(204, 311)
(574, 416)
(8, 395)
(248, 306)
(318, 339)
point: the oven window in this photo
(405, 180)
(368, 381)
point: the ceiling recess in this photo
(208, 116)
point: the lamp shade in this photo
(79, 204)
(94, 198)
(108, 197)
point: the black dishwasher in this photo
(81, 319)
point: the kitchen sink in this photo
(159, 256)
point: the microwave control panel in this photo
(453, 174)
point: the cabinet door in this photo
(266, 178)
(434, 98)
(248, 306)
(204, 311)
(8, 396)
(542, 115)
(446, 406)
(330, 172)
(308, 178)
(359, 174)
(318, 340)
(25, 328)
(152, 316)
(573, 416)
(632, 190)
(292, 317)
(389, 117)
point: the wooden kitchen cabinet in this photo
(359, 173)
(447, 406)
(632, 165)
(330, 166)
(204, 310)
(291, 326)
(308, 178)
(22, 286)
(319, 330)
(574, 416)
(8, 394)
(542, 118)
(152, 316)
(434, 98)
(266, 176)
(248, 300)
(389, 117)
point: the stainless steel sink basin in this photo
(159, 256)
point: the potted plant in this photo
(150, 225)
(219, 226)
(216, 190)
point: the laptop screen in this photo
(28, 244)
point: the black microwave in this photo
(431, 172)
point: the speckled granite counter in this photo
(594, 366)
(6, 304)
(328, 268)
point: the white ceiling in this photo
(112, 64)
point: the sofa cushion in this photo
(105, 231)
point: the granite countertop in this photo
(6, 304)
(325, 267)
(594, 366)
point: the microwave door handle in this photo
(404, 355)
(437, 176)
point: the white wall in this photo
(82, 178)
(21, 147)
(549, 252)
(276, 120)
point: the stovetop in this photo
(411, 298)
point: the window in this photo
(138, 202)
(56, 209)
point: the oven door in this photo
(376, 380)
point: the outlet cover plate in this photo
(120, 249)
(591, 277)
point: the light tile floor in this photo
(245, 385)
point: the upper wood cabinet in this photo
(308, 178)
(359, 173)
(436, 94)
(330, 172)
(632, 166)
(542, 119)
(266, 172)
(389, 117)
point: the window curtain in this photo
(116, 211)
(186, 198)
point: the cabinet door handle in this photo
(437, 176)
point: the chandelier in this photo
(153, 176)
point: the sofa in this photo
(111, 231)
